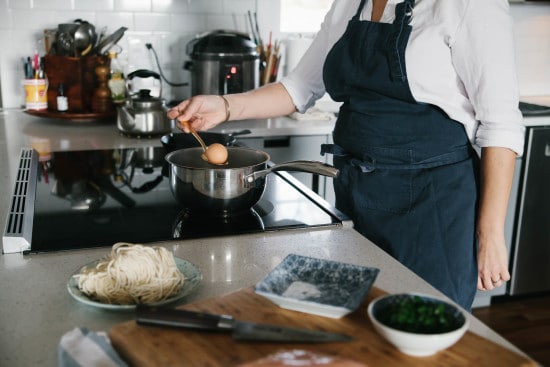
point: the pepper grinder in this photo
(101, 100)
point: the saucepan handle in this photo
(316, 167)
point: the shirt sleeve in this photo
(484, 58)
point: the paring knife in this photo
(240, 330)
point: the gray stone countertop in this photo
(37, 309)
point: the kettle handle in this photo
(143, 73)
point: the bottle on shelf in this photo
(117, 82)
(62, 101)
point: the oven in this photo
(95, 198)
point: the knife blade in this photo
(240, 330)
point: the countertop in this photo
(37, 309)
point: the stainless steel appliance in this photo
(223, 62)
(530, 254)
(129, 199)
(143, 114)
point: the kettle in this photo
(143, 115)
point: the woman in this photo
(419, 82)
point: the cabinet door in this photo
(531, 252)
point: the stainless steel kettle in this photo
(143, 115)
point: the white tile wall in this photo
(169, 24)
(532, 30)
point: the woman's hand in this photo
(492, 262)
(203, 112)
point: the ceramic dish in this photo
(417, 324)
(192, 279)
(321, 287)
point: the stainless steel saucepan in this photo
(230, 189)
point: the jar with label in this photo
(117, 83)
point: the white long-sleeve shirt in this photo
(460, 57)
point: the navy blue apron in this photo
(408, 175)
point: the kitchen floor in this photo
(524, 322)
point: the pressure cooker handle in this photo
(316, 167)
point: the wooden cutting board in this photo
(152, 346)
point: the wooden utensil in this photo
(197, 136)
(204, 156)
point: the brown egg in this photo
(216, 153)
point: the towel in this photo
(81, 347)
(312, 114)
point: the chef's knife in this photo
(240, 330)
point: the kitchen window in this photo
(303, 16)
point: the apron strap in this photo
(399, 38)
(359, 10)
(368, 164)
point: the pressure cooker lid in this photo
(220, 43)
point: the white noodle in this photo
(132, 274)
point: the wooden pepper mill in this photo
(101, 100)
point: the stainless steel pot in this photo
(230, 189)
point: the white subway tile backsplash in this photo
(226, 21)
(53, 4)
(113, 21)
(151, 22)
(206, 6)
(70, 16)
(133, 5)
(170, 24)
(187, 23)
(170, 6)
(5, 19)
(35, 20)
(103, 5)
(239, 6)
(19, 4)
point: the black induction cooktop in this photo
(95, 198)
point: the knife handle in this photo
(163, 316)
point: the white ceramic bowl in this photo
(417, 343)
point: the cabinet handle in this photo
(277, 143)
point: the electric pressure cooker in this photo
(223, 62)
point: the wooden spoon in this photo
(202, 143)
(198, 137)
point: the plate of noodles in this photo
(134, 274)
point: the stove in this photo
(95, 198)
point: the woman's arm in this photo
(207, 111)
(497, 170)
